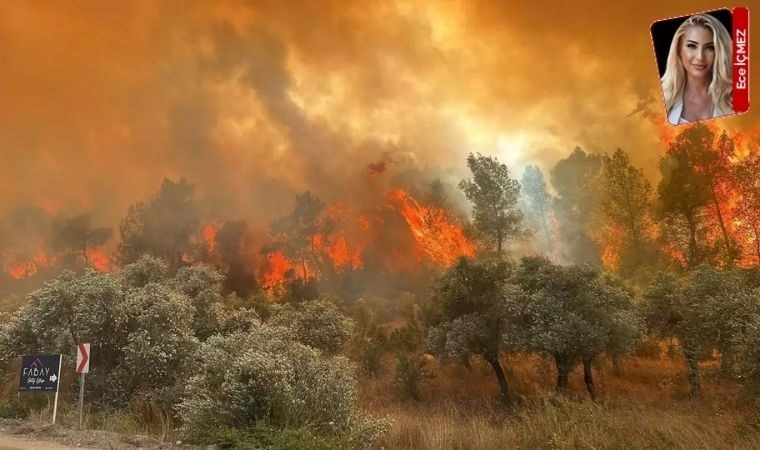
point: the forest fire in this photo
(438, 240)
(344, 236)
(399, 234)
(99, 261)
(18, 265)
(274, 270)
(611, 252)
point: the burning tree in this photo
(712, 158)
(77, 237)
(27, 249)
(296, 232)
(684, 194)
(162, 227)
(747, 209)
(628, 206)
(229, 241)
(439, 241)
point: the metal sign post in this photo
(81, 400)
(83, 366)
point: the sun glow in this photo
(511, 147)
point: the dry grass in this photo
(564, 423)
(646, 407)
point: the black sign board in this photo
(40, 373)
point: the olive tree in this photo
(670, 311)
(202, 285)
(573, 314)
(706, 310)
(468, 314)
(746, 344)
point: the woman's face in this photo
(698, 51)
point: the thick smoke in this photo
(253, 102)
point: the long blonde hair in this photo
(674, 79)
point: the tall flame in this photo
(438, 240)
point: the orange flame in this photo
(614, 240)
(19, 266)
(99, 261)
(273, 269)
(438, 240)
(210, 231)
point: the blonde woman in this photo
(698, 76)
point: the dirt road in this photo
(14, 443)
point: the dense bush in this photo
(411, 372)
(318, 324)
(370, 356)
(142, 323)
(264, 376)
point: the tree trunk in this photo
(588, 378)
(563, 370)
(494, 361)
(692, 365)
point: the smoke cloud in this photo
(255, 101)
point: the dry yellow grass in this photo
(565, 423)
(646, 407)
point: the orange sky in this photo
(253, 101)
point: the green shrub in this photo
(264, 437)
(411, 371)
(14, 409)
(370, 357)
(318, 324)
(264, 376)
(648, 348)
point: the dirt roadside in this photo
(14, 443)
(16, 434)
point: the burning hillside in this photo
(398, 234)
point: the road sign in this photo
(40, 373)
(82, 367)
(83, 358)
